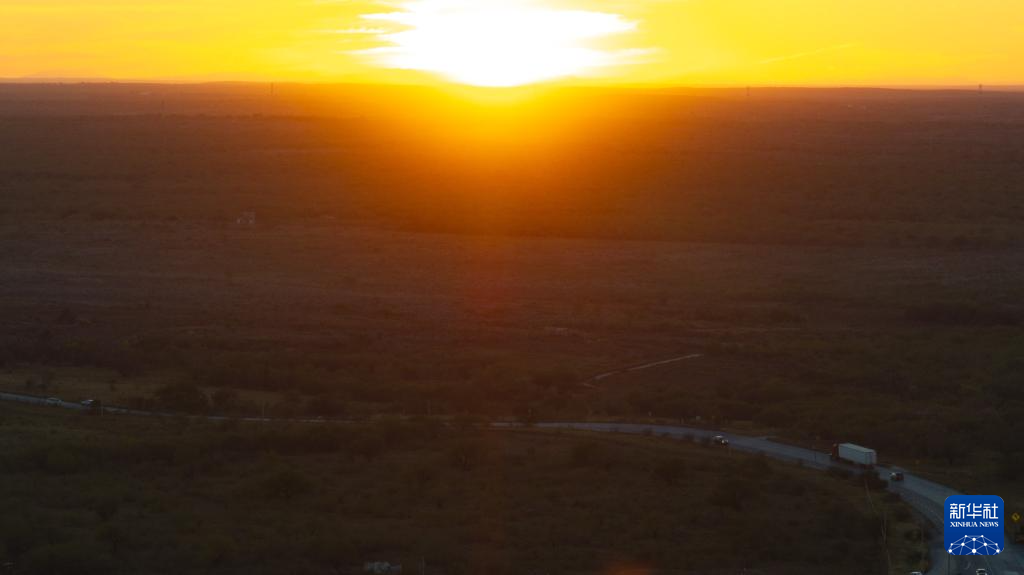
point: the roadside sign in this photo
(1015, 517)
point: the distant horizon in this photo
(508, 43)
(655, 86)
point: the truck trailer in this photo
(854, 454)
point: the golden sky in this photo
(509, 42)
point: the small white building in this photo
(247, 219)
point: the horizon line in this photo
(57, 80)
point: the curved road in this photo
(924, 496)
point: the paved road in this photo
(925, 496)
(33, 400)
(112, 410)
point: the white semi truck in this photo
(854, 454)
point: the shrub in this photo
(63, 558)
(670, 471)
(962, 314)
(286, 484)
(107, 508)
(63, 461)
(224, 401)
(557, 379)
(839, 473)
(590, 454)
(466, 455)
(872, 480)
(422, 475)
(732, 493)
(369, 445)
(112, 535)
(20, 534)
(183, 397)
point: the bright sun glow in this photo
(496, 43)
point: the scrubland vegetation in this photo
(849, 243)
(846, 265)
(86, 494)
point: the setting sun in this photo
(517, 42)
(456, 287)
(496, 43)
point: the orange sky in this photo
(507, 42)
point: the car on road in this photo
(93, 406)
(720, 440)
(896, 476)
(916, 573)
(981, 572)
(53, 401)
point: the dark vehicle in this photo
(720, 440)
(896, 476)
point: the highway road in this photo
(924, 496)
(112, 410)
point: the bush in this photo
(872, 480)
(670, 471)
(112, 535)
(839, 473)
(732, 493)
(558, 379)
(1011, 465)
(466, 455)
(225, 401)
(962, 314)
(589, 454)
(783, 316)
(20, 534)
(369, 445)
(63, 558)
(183, 397)
(215, 551)
(107, 508)
(286, 484)
(422, 475)
(63, 461)
(756, 466)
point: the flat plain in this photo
(845, 263)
